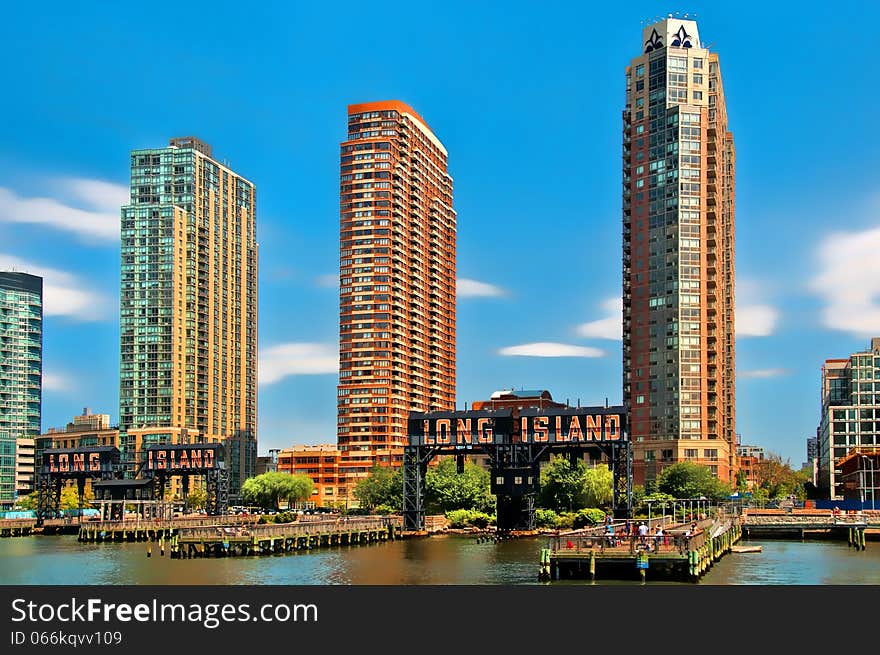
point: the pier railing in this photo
(676, 538)
(177, 523)
(305, 528)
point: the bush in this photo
(461, 518)
(284, 517)
(588, 516)
(545, 518)
(565, 520)
(385, 509)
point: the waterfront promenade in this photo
(680, 553)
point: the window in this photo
(698, 78)
(649, 456)
(690, 453)
(698, 63)
(698, 95)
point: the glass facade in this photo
(850, 416)
(678, 251)
(21, 367)
(188, 305)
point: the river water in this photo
(47, 560)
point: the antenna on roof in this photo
(606, 402)
(579, 403)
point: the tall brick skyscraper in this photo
(678, 255)
(397, 282)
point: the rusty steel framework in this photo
(104, 463)
(59, 465)
(514, 464)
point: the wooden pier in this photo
(281, 538)
(27, 527)
(17, 527)
(805, 524)
(675, 555)
(154, 530)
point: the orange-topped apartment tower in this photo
(397, 283)
(678, 255)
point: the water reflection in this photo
(443, 560)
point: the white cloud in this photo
(548, 349)
(756, 320)
(64, 294)
(55, 381)
(88, 208)
(328, 281)
(610, 327)
(762, 373)
(285, 359)
(848, 282)
(466, 288)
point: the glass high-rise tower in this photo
(21, 369)
(188, 308)
(397, 283)
(678, 255)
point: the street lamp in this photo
(871, 462)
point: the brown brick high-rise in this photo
(678, 255)
(397, 282)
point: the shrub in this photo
(565, 520)
(588, 516)
(461, 518)
(385, 509)
(545, 518)
(479, 520)
(457, 518)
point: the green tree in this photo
(267, 490)
(298, 489)
(598, 485)
(27, 502)
(689, 480)
(447, 490)
(197, 498)
(638, 495)
(69, 499)
(760, 496)
(384, 486)
(778, 478)
(563, 485)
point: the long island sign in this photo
(177, 459)
(528, 425)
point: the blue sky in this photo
(527, 99)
